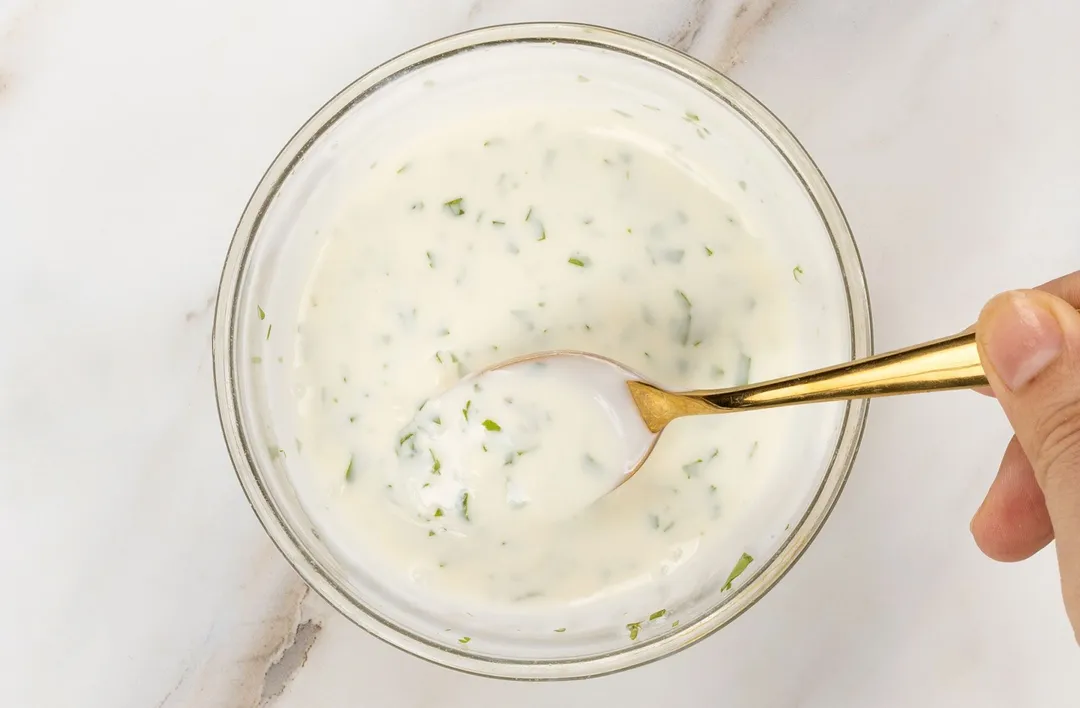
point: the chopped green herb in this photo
(438, 357)
(465, 410)
(528, 214)
(624, 114)
(435, 464)
(403, 168)
(691, 117)
(348, 470)
(797, 272)
(465, 505)
(430, 533)
(740, 565)
(560, 630)
(708, 251)
(753, 450)
(675, 624)
(352, 419)
(438, 512)
(465, 640)
(437, 420)
(417, 206)
(657, 615)
(455, 206)
(268, 329)
(430, 260)
(584, 80)
(256, 360)
(634, 628)
(492, 425)
(498, 223)
(262, 315)
(691, 468)
(405, 439)
(577, 262)
(682, 295)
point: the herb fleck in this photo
(403, 168)
(430, 533)
(465, 505)
(560, 630)
(268, 329)
(657, 615)
(492, 425)
(708, 251)
(262, 315)
(465, 410)
(584, 80)
(576, 262)
(691, 117)
(465, 640)
(256, 360)
(405, 439)
(796, 273)
(495, 222)
(430, 260)
(528, 214)
(740, 565)
(438, 512)
(455, 206)
(634, 628)
(435, 464)
(348, 470)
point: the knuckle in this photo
(1057, 453)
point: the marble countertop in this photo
(131, 134)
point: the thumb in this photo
(1029, 342)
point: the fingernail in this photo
(1021, 339)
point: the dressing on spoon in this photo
(533, 440)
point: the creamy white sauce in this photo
(522, 233)
(536, 226)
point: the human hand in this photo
(1029, 343)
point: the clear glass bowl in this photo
(270, 258)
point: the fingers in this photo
(1029, 342)
(1012, 524)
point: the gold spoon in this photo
(939, 365)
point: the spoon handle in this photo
(940, 365)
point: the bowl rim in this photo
(225, 360)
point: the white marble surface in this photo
(131, 134)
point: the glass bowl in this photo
(273, 251)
